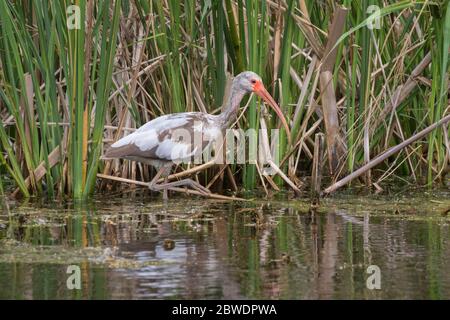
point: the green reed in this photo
(65, 94)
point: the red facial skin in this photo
(261, 91)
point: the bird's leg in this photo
(151, 184)
(163, 171)
(166, 180)
(165, 186)
(185, 183)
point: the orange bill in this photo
(261, 91)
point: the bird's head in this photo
(249, 81)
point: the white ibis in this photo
(154, 143)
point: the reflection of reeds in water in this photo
(65, 93)
(226, 250)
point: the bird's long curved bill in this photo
(262, 92)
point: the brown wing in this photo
(169, 137)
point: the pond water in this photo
(138, 247)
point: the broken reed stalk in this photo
(391, 151)
(336, 30)
(188, 172)
(402, 92)
(316, 175)
(329, 106)
(330, 116)
(41, 170)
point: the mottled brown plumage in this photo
(174, 137)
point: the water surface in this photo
(140, 248)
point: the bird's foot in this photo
(188, 183)
(197, 186)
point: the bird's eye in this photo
(253, 81)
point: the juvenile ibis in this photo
(154, 142)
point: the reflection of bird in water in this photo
(158, 144)
(109, 253)
(168, 244)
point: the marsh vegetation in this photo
(66, 93)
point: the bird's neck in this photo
(230, 111)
